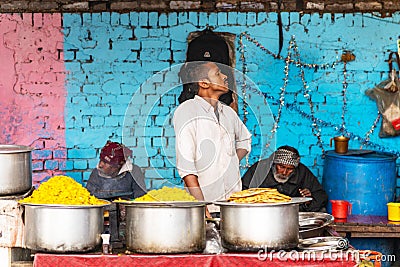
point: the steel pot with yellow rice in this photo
(167, 220)
(62, 216)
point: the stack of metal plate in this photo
(313, 224)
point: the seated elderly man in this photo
(115, 176)
(283, 171)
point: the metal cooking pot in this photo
(255, 226)
(16, 169)
(167, 227)
(63, 228)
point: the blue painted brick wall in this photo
(106, 80)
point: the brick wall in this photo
(120, 82)
(385, 8)
(147, 42)
(32, 76)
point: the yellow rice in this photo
(166, 194)
(62, 190)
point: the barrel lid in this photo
(8, 149)
(360, 154)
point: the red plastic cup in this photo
(340, 209)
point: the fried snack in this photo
(259, 195)
(252, 192)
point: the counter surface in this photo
(367, 226)
(289, 258)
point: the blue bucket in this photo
(367, 179)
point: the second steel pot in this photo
(268, 226)
(165, 227)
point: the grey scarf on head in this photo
(286, 157)
(281, 156)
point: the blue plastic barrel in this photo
(365, 178)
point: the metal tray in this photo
(323, 243)
(312, 224)
(295, 200)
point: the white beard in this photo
(279, 177)
(126, 167)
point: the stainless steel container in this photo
(173, 227)
(255, 226)
(63, 228)
(16, 169)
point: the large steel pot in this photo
(173, 227)
(255, 226)
(63, 228)
(16, 169)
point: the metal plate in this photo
(323, 243)
(314, 220)
(295, 200)
(313, 224)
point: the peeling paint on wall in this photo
(32, 77)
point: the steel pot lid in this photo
(295, 200)
(8, 149)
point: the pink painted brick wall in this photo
(32, 78)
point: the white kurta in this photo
(207, 147)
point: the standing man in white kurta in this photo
(210, 137)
